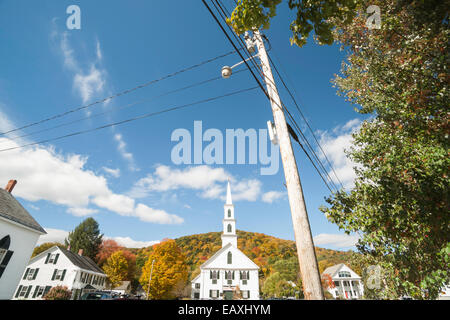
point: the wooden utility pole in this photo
(312, 286)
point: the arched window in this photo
(229, 257)
(229, 213)
(5, 254)
(229, 228)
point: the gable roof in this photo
(82, 262)
(11, 209)
(333, 269)
(224, 249)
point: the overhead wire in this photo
(283, 107)
(118, 94)
(91, 116)
(146, 115)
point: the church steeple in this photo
(229, 223)
(229, 201)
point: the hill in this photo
(263, 249)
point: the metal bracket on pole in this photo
(272, 132)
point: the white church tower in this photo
(229, 222)
(229, 273)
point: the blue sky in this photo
(124, 176)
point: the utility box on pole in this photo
(312, 285)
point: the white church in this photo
(229, 273)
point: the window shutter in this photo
(56, 258)
(217, 295)
(48, 257)
(210, 274)
(63, 274)
(54, 274)
(248, 275)
(35, 291)
(218, 274)
(233, 275)
(47, 289)
(18, 291)
(35, 273)
(5, 261)
(28, 291)
(26, 273)
(210, 293)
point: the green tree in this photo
(275, 286)
(309, 15)
(116, 268)
(86, 236)
(399, 75)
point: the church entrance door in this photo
(228, 295)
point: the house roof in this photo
(123, 285)
(12, 210)
(333, 269)
(82, 262)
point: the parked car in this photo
(96, 296)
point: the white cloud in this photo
(334, 144)
(336, 240)
(272, 196)
(90, 83)
(43, 174)
(210, 182)
(130, 243)
(113, 172)
(122, 148)
(81, 212)
(53, 235)
(57, 235)
(148, 214)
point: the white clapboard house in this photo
(348, 284)
(57, 266)
(229, 270)
(19, 233)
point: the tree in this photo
(86, 236)
(310, 15)
(116, 268)
(106, 249)
(278, 287)
(47, 245)
(58, 293)
(170, 270)
(399, 75)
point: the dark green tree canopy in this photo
(85, 236)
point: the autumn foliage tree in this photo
(58, 293)
(116, 268)
(169, 271)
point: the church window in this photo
(229, 258)
(229, 213)
(229, 228)
(5, 254)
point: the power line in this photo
(304, 118)
(120, 93)
(147, 115)
(120, 108)
(283, 107)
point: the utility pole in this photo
(150, 279)
(312, 286)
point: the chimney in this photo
(80, 252)
(10, 186)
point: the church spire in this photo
(229, 223)
(229, 201)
